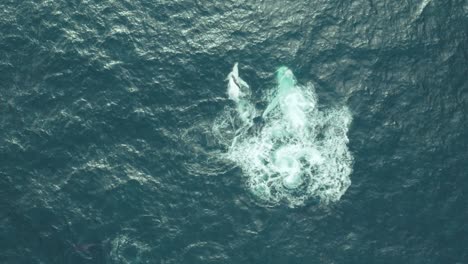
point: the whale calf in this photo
(236, 86)
(239, 91)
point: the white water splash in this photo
(294, 151)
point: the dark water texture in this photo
(106, 153)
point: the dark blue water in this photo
(107, 153)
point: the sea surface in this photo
(107, 149)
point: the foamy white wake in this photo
(292, 152)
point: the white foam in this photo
(300, 152)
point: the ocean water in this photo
(109, 151)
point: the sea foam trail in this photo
(293, 152)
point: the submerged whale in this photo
(286, 84)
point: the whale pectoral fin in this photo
(235, 70)
(243, 83)
(270, 107)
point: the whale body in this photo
(236, 85)
(233, 88)
(239, 91)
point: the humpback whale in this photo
(239, 91)
(236, 85)
(286, 83)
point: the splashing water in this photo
(293, 151)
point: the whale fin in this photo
(270, 107)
